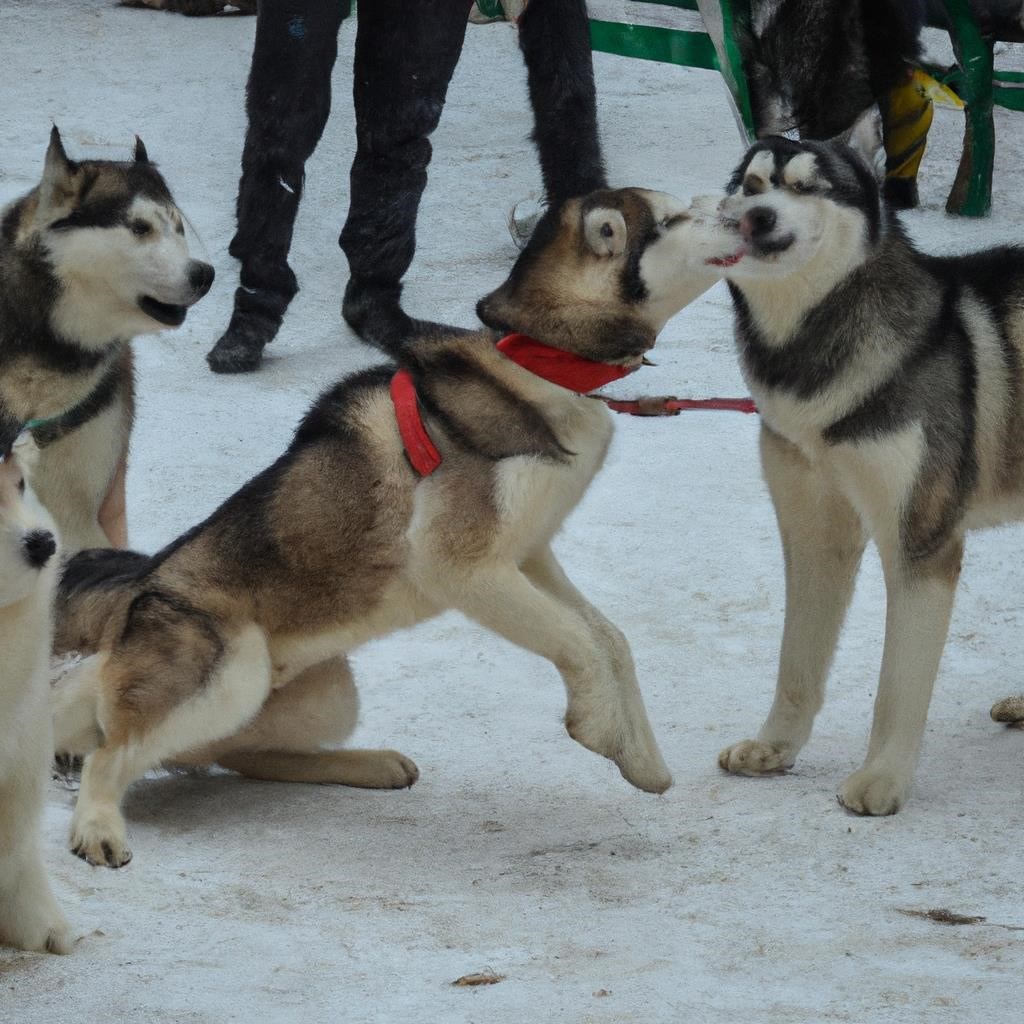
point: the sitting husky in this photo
(92, 256)
(402, 495)
(889, 385)
(29, 915)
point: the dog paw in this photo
(755, 757)
(874, 791)
(647, 772)
(99, 839)
(58, 939)
(395, 770)
(636, 754)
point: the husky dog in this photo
(92, 256)
(889, 384)
(29, 915)
(229, 645)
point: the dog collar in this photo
(565, 369)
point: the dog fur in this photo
(889, 384)
(91, 257)
(230, 644)
(29, 915)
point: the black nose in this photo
(39, 547)
(200, 276)
(760, 220)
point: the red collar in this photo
(558, 366)
(553, 364)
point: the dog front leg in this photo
(545, 572)
(822, 542)
(918, 609)
(506, 601)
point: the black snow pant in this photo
(405, 54)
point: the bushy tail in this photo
(94, 586)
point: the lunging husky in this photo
(29, 915)
(401, 495)
(91, 257)
(891, 390)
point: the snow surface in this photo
(727, 899)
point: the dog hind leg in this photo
(289, 740)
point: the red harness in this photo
(552, 364)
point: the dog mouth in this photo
(727, 261)
(162, 312)
(765, 248)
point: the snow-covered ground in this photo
(518, 852)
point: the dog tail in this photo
(95, 585)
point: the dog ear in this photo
(140, 155)
(604, 231)
(57, 185)
(864, 137)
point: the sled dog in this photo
(229, 645)
(29, 915)
(890, 387)
(91, 257)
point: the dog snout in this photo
(200, 277)
(39, 547)
(757, 223)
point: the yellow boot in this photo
(906, 118)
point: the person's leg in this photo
(404, 59)
(288, 99)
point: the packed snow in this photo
(519, 853)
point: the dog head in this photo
(27, 542)
(114, 242)
(602, 274)
(793, 202)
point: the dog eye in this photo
(802, 187)
(21, 486)
(139, 228)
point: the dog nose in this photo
(39, 547)
(758, 222)
(200, 276)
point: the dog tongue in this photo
(726, 261)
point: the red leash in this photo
(649, 406)
(565, 369)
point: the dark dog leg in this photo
(288, 99)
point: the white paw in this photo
(874, 791)
(36, 924)
(396, 770)
(637, 756)
(755, 757)
(646, 771)
(58, 938)
(98, 836)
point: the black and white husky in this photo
(891, 391)
(94, 255)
